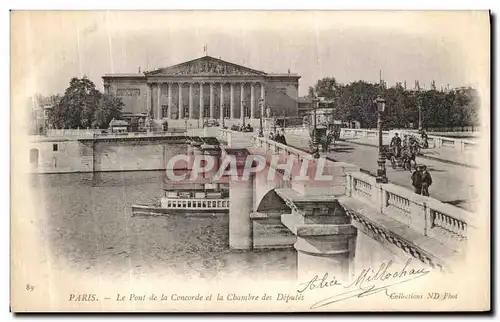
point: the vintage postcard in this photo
(250, 161)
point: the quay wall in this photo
(68, 155)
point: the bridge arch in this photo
(272, 202)
(262, 186)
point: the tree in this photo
(82, 106)
(439, 109)
(310, 92)
(108, 108)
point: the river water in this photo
(90, 227)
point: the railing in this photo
(434, 141)
(135, 135)
(279, 148)
(235, 139)
(195, 204)
(72, 132)
(443, 222)
(361, 133)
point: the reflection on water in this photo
(91, 228)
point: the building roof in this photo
(118, 123)
(304, 99)
(124, 75)
(204, 66)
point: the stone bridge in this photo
(342, 224)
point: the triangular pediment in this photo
(206, 66)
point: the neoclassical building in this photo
(205, 88)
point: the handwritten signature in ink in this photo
(370, 281)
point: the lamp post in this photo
(381, 171)
(261, 128)
(419, 102)
(315, 137)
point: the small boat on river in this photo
(187, 201)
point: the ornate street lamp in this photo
(261, 128)
(315, 136)
(381, 171)
(419, 102)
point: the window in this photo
(128, 92)
(164, 109)
(55, 147)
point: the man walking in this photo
(426, 181)
(421, 180)
(416, 178)
(396, 143)
(282, 137)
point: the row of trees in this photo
(439, 109)
(84, 106)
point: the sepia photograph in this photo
(250, 161)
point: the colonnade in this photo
(154, 103)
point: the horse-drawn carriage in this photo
(326, 137)
(326, 132)
(403, 159)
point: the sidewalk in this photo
(447, 155)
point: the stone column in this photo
(242, 103)
(181, 107)
(252, 100)
(263, 96)
(221, 108)
(231, 101)
(148, 99)
(158, 101)
(212, 101)
(191, 100)
(169, 100)
(202, 108)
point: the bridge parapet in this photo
(432, 218)
(434, 141)
(279, 148)
(235, 139)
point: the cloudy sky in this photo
(48, 48)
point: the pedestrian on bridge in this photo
(421, 180)
(280, 137)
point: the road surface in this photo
(452, 184)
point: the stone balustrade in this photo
(196, 204)
(434, 141)
(446, 223)
(72, 132)
(235, 139)
(133, 135)
(279, 148)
